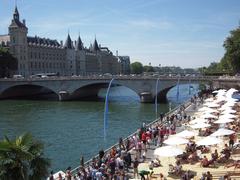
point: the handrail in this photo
(186, 104)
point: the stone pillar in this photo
(63, 96)
(146, 97)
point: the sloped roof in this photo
(68, 44)
(43, 41)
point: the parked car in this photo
(18, 76)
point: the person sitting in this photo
(235, 164)
(193, 157)
(187, 175)
(192, 146)
(214, 157)
(204, 149)
(171, 169)
(178, 168)
(203, 177)
(156, 162)
(204, 162)
(226, 154)
(183, 157)
(209, 176)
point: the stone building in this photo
(42, 55)
(125, 64)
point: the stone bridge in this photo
(77, 88)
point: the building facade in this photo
(42, 55)
(125, 64)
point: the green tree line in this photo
(230, 62)
(8, 64)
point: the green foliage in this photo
(202, 87)
(232, 55)
(148, 69)
(136, 68)
(230, 63)
(22, 159)
(7, 63)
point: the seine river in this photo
(72, 129)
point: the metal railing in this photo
(199, 78)
(173, 111)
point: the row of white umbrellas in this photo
(227, 115)
(170, 151)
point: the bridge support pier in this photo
(146, 97)
(63, 96)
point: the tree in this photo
(148, 69)
(22, 159)
(8, 63)
(231, 57)
(136, 68)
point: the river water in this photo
(73, 129)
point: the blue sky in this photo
(186, 33)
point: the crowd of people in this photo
(122, 161)
(118, 163)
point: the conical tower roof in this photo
(68, 44)
(95, 45)
(16, 14)
(79, 45)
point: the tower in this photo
(80, 57)
(95, 45)
(70, 56)
(18, 42)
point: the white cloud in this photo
(150, 24)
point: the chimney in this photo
(61, 42)
(117, 53)
(24, 22)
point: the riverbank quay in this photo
(126, 145)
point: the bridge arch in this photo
(90, 91)
(28, 91)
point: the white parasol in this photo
(222, 132)
(211, 111)
(212, 105)
(209, 140)
(198, 120)
(223, 121)
(186, 134)
(208, 116)
(209, 100)
(167, 151)
(200, 125)
(229, 111)
(228, 116)
(203, 109)
(175, 141)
